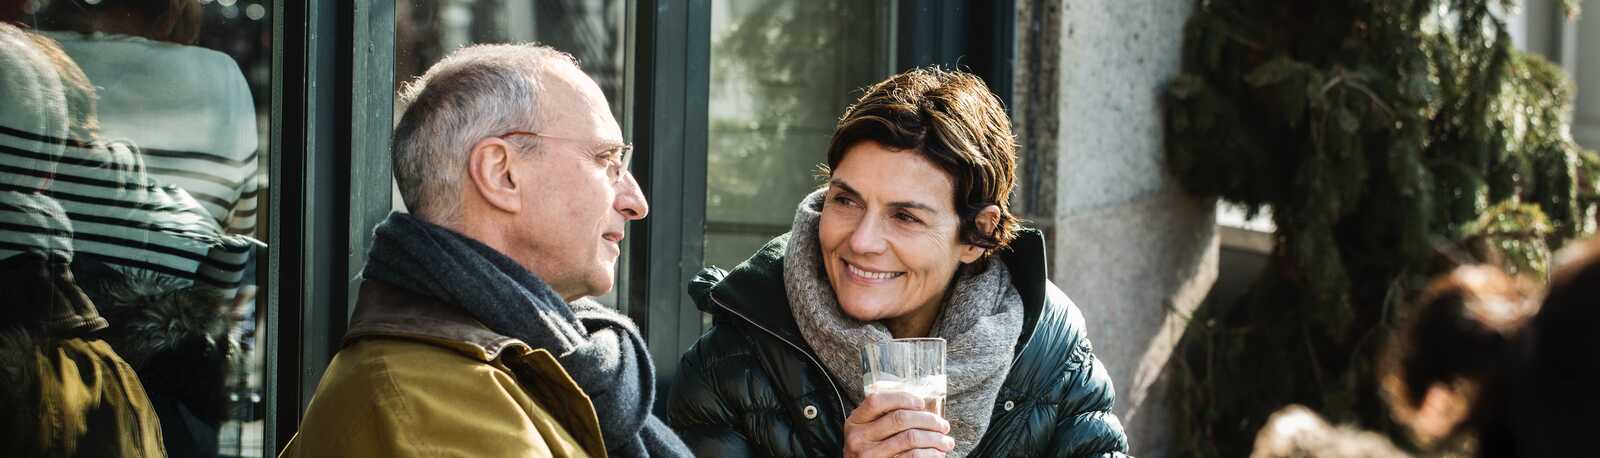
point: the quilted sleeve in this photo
(700, 412)
(1086, 426)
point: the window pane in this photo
(782, 71)
(590, 30)
(130, 182)
(593, 31)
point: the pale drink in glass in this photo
(914, 366)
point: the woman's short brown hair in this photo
(950, 118)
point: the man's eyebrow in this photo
(609, 147)
(903, 204)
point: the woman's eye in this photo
(845, 201)
(907, 218)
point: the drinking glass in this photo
(914, 366)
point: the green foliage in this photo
(1513, 234)
(1386, 137)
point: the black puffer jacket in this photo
(753, 387)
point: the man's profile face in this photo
(572, 230)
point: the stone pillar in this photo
(1135, 252)
(1540, 27)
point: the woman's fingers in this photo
(895, 422)
(881, 415)
(906, 420)
(911, 442)
(878, 404)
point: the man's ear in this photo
(988, 219)
(489, 167)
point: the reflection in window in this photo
(130, 183)
(782, 71)
(593, 31)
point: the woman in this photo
(911, 237)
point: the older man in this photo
(471, 336)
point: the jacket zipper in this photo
(837, 396)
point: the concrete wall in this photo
(1135, 252)
(1539, 27)
(1586, 71)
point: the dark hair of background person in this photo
(952, 119)
(11, 10)
(1555, 407)
(172, 21)
(1524, 368)
(1462, 337)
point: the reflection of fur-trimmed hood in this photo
(152, 313)
(172, 331)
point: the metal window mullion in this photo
(372, 57)
(672, 71)
(310, 202)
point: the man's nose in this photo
(630, 199)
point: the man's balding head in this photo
(475, 92)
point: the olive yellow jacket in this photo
(419, 378)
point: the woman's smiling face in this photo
(890, 235)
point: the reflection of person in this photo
(911, 237)
(65, 391)
(463, 341)
(188, 113)
(188, 109)
(150, 257)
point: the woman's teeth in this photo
(872, 275)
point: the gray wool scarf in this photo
(980, 322)
(599, 348)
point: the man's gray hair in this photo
(474, 93)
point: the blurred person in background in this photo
(1553, 406)
(1487, 366)
(1449, 372)
(1491, 367)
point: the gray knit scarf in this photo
(601, 349)
(981, 321)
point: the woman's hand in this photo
(894, 424)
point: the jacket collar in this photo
(754, 289)
(45, 282)
(385, 310)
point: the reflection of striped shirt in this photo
(189, 111)
(101, 200)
